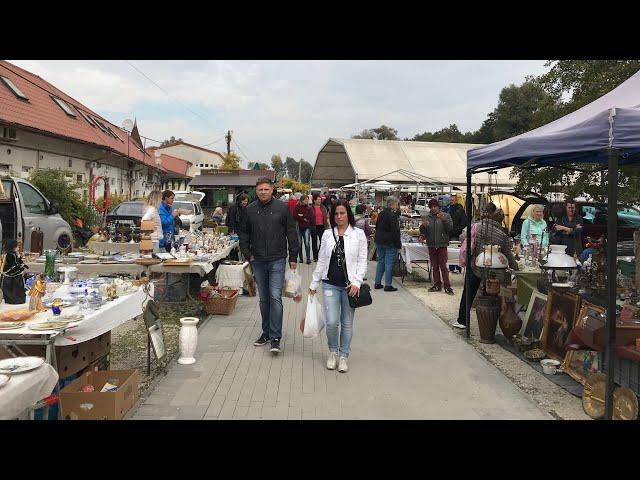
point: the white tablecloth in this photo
(115, 247)
(231, 276)
(416, 251)
(109, 316)
(24, 390)
(88, 270)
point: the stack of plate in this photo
(15, 365)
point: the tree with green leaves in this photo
(258, 166)
(171, 141)
(231, 161)
(277, 165)
(450, 134)
(291, 167)
(381, 133)
(580, 82)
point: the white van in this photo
(23, 208)
(190, 200)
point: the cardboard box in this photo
(99, 364)
(99, 346)
(71, 359)
(78, 405)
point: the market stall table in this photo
(92, 269)
(418, 253)
(231, 276)
(24, 390)
(114, 247)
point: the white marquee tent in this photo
(343, 161)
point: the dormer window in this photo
(14, 88)
(64, 106)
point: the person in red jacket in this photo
(306, 218)
(293, 202)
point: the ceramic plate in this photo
(88, 262)
(48, 326)
(11, 325)
(4, 379)
(72, 317)
(20, 364)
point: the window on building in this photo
(98, 165)
(64, 106)
(33, 201)
(14, 89)
(70, 163)
(79, 178)
(87, 118)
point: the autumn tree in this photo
(231, 161)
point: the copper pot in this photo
(510, 322)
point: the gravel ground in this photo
(549, 396)
(129, 341)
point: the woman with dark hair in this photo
(342, 265)
(322, 222)
(568, 230)
(12, 281)
(236, 212)
(305, 217)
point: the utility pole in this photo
(299, 169)
(228, 137)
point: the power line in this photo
(215, 141)
(165, 92)
(237, 145)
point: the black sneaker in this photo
(435, 288)
(275, 345)
(377, 286)
(263, 340)
(308, 262)
(390, 288)
(449, 290)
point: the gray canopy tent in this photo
(605, 132)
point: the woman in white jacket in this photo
(151, 213)
(336, 286)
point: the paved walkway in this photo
(405, 363)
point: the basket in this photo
(223, 304)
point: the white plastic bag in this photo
(314, 318)
(292, 284)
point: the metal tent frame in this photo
(613, 157)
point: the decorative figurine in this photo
(56, 307)
(36, 293)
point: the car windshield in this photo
(597, 215)
(184, 206)
(133, 208)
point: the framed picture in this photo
(534, 318)
(559, 316)
(580, 364)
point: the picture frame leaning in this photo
(560, 315)
(581, 363)
(533, 323)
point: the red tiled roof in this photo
(171, 164)
(180, 142)
(41, 113)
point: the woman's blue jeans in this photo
(338, 315)
(386, 257)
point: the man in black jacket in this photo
(266, 230)
(459, 217)
(387, 243)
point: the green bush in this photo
(54, 185)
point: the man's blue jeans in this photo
(270, 277)
(386, 257)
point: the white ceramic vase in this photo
(491, 257)
(188, 340)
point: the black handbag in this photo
(363, 298)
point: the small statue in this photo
(36, 293)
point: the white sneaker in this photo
(343, 367)
(458, 325)
(332, 361)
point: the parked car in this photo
(190, 201)
(124, 215)
(595, 217)
(23, 209)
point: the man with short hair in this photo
(268, 229)
(387, 244)
(437, 228)
(459, 218)
(167, 216)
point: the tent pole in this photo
(612, 235)
(468, 272)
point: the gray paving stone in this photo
(401, 366)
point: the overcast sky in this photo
(287, 107)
